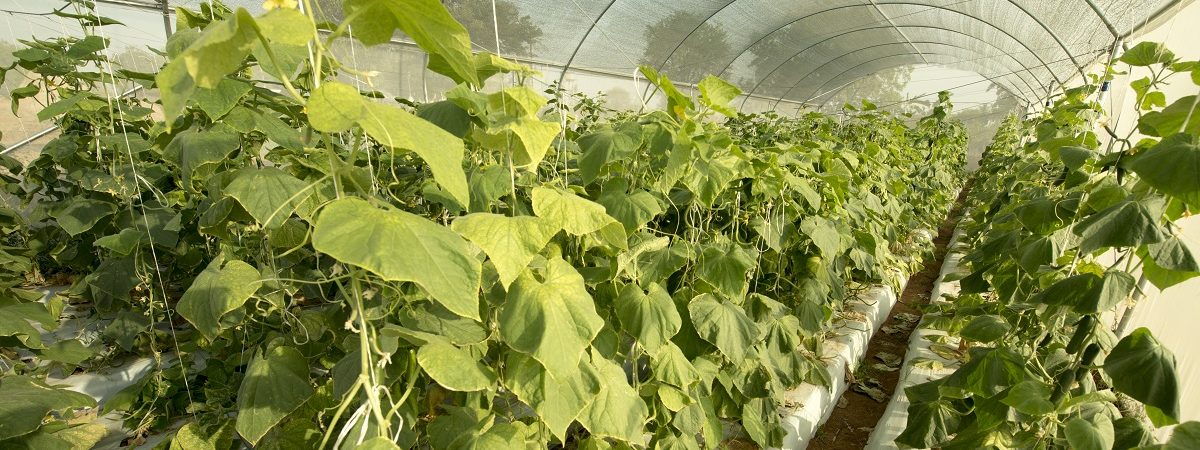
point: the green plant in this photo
(1059, 227)
(488, 270)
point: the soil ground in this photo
(855, 416)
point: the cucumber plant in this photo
(308, 264)
(1060, 228)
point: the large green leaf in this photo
(433, 319)
(527, 137)
(1095, 434)
(1172, 166)
(269, 194)
(709, 177)
(552, 318)
(276, 383)
(510, 242)
(75, 437)
(558, 400)
(724, 325)
(401, 246)
(1130, 432)
(985, 328)
(1175, 118)
(1071, 291)
(24, 402)
(929, 424)
(633, 210)
(672, 367)
(221, 288)
(1030, 397)
(1075, 157)
(61, 106)
(761, 419)
(1141, 367)
(658, 263)
(287, 27)
(1126, 224)
(725, 266)
(446, 115)
(1168, 263)
(606, 145)
(335, 107)
(717, 93)
(426, 22)
(1173, 254)
(193, 436)
(990, 371)
(80, 215)
(14, 322)
(1040, 216)
(67, 351)
(617, 411)
(455, 423)
(1114, 289)
(1147, 54)
(194, 151)
(515, 125)
(442, 151)
(1186, 436)
(219, 51)
(455, 368)
(823, 234)
(650, 316)
(570, 212)
(220, 100)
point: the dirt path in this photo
(855, 416)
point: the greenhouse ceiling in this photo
(801, 50)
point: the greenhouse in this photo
(599, 224)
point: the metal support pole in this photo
(43, 133)
(1103, 18)
(166, 12)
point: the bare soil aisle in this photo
(859, 409)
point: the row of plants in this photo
(1066, 230)
(311, 264)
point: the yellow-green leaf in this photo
(552, 319)
(510, 242)
(401, 246)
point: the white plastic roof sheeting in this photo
(804, 50)
(797, 51)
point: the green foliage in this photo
(1058, 226)
(276, 383)
(435, 258)
(313, 266)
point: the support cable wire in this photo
(933, 65)
(52, 128)
(1053, 35)
(898, 30)
(801, 18)
(137, 178)
(818, 69)
(822, 106)
(945, 8)
(935, 92)
(1103, 18)
(1003, 53)
(986, 78)
(1001, 30)
(566, 67)
(647, 94)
